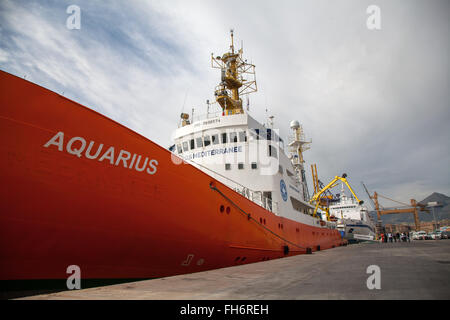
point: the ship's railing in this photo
(254, 196)
(258, 198)
(206, 116)
(331, 224)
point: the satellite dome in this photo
(295, 124)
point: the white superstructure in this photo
(244, 154)
(252, 159)
(353, 219)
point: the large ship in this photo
(81, 189)
(353, 219)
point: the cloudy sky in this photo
(375, 103)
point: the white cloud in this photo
(4, 56)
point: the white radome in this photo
(295, 124)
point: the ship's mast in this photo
(297, 146)
(233, 85)
(343, 196)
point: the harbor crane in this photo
(317, 198)
(327, 197)
(414, 207)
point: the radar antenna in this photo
(233, 84)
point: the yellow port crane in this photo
(317, 197)
(326, 197)
(414, 208)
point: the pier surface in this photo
(416, 270)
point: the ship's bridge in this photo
(223, 129)
(242, 153)
(246, 156)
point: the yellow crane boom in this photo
(316, 197)
(414, 208)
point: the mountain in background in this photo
(441, 212)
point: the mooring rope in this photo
(249, 217)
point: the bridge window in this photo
(227, 166)
(257, 134)
(240, 166)
(179, 148)
(273, 152)
(254, 165)
(207, 141)
(233, 137)
(185, 146)
(242, 136)
(215, 139)
(224, 138)
(199, 142)
(192, 144)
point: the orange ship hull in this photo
(80, 189)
